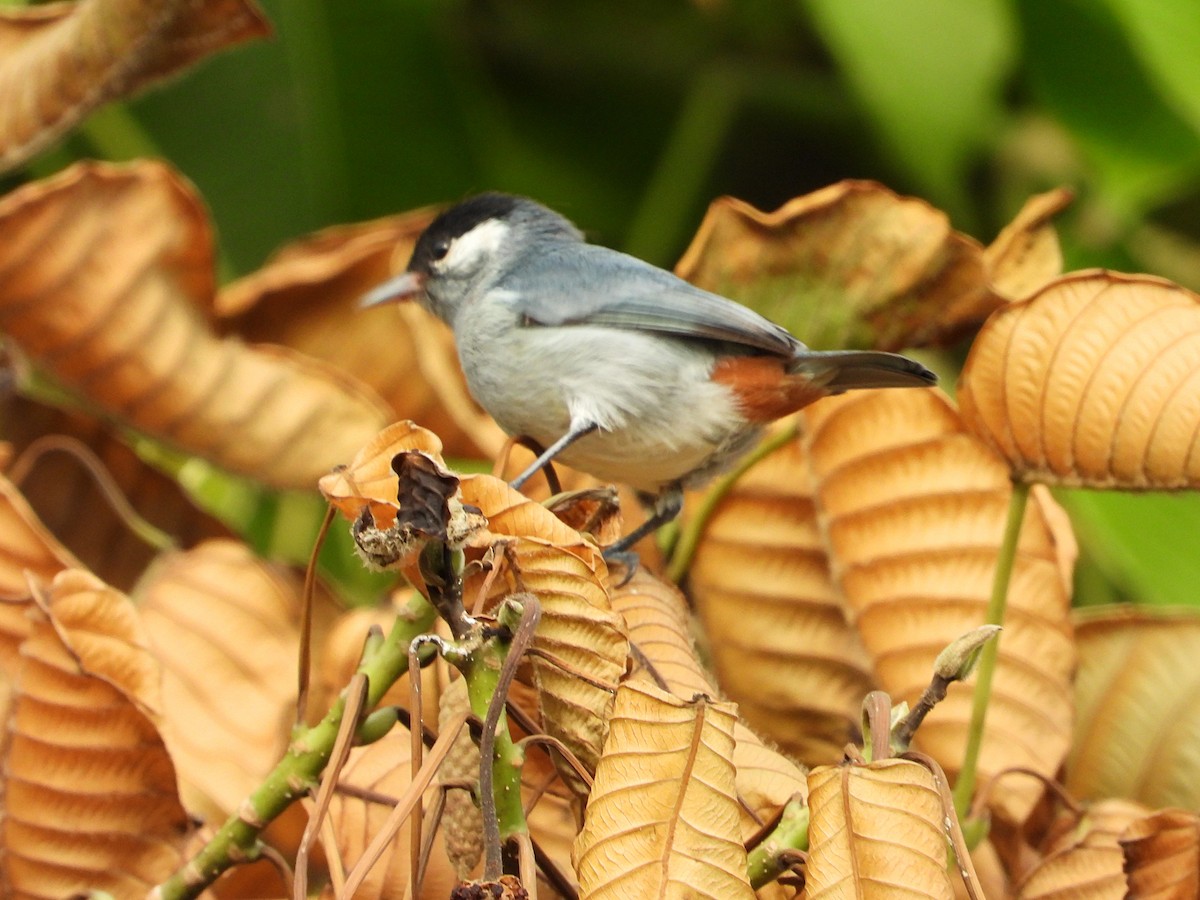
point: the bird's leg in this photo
(578, 430)
(667, 506)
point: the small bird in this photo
(616, 367)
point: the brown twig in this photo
(103, 479)
(403, 808)
(304, 663)
(356, 693)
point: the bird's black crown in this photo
(457, 221)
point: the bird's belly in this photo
(661, 418)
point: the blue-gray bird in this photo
(616, 367)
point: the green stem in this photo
(489, 672)
(686, 161)
(768, 860)
(689, 535)
(964, 788)
(300, 769)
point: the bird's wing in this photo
(585, 284)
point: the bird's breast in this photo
(661, 416)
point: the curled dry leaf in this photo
(225, 626)
(306, 297)
(657, 617)
(1085, 858)
(1026, 255)
(68, 499)
(914, 509)
(370, 480)
(876, 831)
(1092, 382)
(662, 818)
(90, 795)
(581, 639)
(1138, 698)
(101, 269)
(782, 647)
(1162, 855)
(382, 768)
(60, 62)
(852, 264)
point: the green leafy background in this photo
(630, 115)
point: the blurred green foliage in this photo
(630, 115)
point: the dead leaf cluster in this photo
(147, 693)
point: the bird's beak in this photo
(404, 286)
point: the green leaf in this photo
(1165, 35)
(1145, 543)
(1082, 67)
(929, 73)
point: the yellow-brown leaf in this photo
(101, 270)
(1138, 698)
(580, 633)
(1094, 381)
(90, 794)
(662, 818)
(657, 617)
(876, 832)
(226, 627)
(1026, 255)
(1084, 859)
(914, 510)
(61, 61)
(781, 645)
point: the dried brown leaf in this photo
(782, 647)
(1138, 698)
(226, 627)
(662, 818)
(370, 480)
(1085, 859)
(656, 614)
(66, 497)
(1162, 856)
(90, 794)
(306, 297)
(1026, 255)
(582, 637)
(61, 61)
(876, 831)
(914, 510)
(102, 267)
(1092, 382)
(852, 264)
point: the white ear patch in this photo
(469, 250)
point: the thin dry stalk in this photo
(404, 806)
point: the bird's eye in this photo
(440, 249)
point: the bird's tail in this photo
(846, 370)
